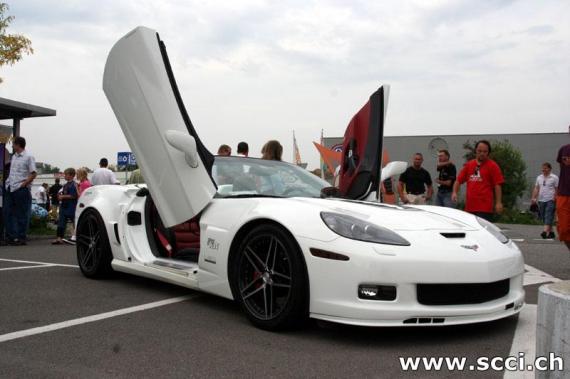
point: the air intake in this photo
(453, 235)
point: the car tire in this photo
(93, 249)
(268, 278)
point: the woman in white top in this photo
(544, 193)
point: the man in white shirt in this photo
(42, 196)
(544, 193)
(18, 206)
(103, 175)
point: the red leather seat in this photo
(187, 235)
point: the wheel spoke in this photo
(265, 301)
(250, 284)
(270, 301)
(281, 275)
(253, 292)
(83, 240)
(274, 254)
(269, 250)
(90, 227)
(249, 249)
(281, 285)
(86, 257)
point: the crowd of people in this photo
(484, 179)
(482, 176)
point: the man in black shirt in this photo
(53, 191)
(446, 178)
(415, 179)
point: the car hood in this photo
(396, 218)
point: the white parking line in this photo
(524, 341)
(88, 319)
(38, 263)
(535, 276)
(25, 267)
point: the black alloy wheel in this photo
(269, 279)
(93, 250)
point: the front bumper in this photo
(334, 284)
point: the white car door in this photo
(140, 86)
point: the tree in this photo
(46, 168)
(512, 164)
(12, 46)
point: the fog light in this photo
(376, 292)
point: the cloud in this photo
(255, 70)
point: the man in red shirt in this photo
(484, 179)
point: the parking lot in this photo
(56, 323)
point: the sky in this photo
(254, 70)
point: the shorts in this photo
(546, 211)
(417, 199)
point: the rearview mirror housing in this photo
(393, 168)
(185, 143)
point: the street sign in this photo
(126, 158)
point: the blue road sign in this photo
(123, 158)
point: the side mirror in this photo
(393, 168)
(185, 143)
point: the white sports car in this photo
(265, 234)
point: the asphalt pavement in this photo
(56, 323)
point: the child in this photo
(84, 183)
(68, 202)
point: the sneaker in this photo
(69, 241)
(543, 235)
(551, 235)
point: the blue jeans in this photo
(443, 199)
(17, 210)
(546, 211)
(62, 223)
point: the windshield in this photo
(249, 177)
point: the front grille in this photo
(461, 293)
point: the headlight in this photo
(357, 229)
(491, 228)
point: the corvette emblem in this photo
(470, 247)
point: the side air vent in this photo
(116, 230)
(453, 235)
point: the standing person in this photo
(272, 150)
(224, 150)
(68, 203)
(544, 194)
(563, 195)
(272, 183)
(103, 175)
(243, 149)
(446, 177)
(53, 191)
(42, 196)
(18, 196)
(416, 180)
(484, 179)
(84, 183)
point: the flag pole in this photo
(322, 161)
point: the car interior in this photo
(180, 242)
